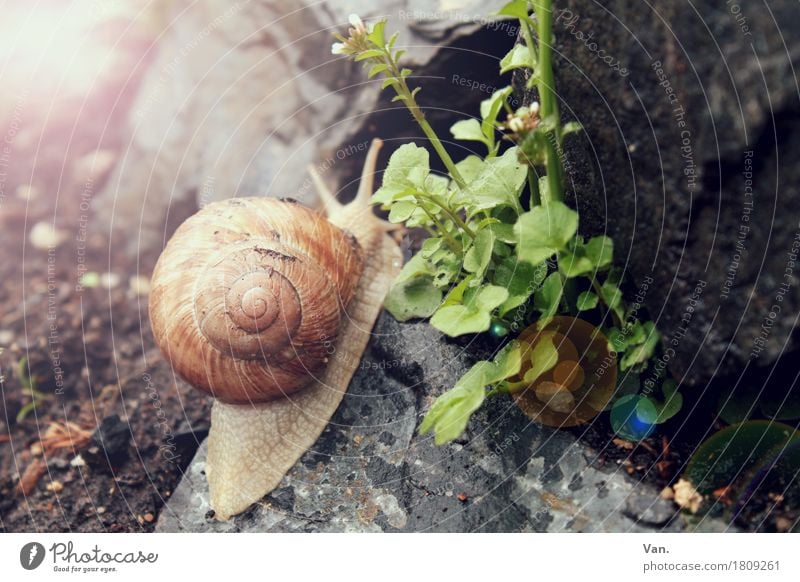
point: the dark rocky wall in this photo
(689, 162)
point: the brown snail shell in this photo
(248, 296)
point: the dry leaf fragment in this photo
(686, 496)
(30, 477)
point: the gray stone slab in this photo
(372, 471)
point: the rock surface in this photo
(372, 471)
(689, 162)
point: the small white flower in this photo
(534, 107)
(337, 48)
(355, 21)
(516, 125)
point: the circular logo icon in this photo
(31, 555)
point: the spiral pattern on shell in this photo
(248, 296)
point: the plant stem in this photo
(401, 87)
(533, 186)
(507, 387)
(452, 215)
(549, 104)
(451, 242)
(599, 291)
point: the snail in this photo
(268, 306)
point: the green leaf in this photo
(571, 127)
(515, 9)
(456, 294)
(673, 401)
(28, 382)
(612, 297)
(450, 413)
(491, 107)
(413, 298)
(447, 268)
(456, 320)
(625, 419)
(488, 298)
(548, 297)
(430, 245)
(642, 352)
(379, 68)
(582, 259)
(480, 253)
(518, 57)
(407, 171)
(600, 251)
(520, 278)
(369, 54)
(468, 130)
(731, 452)
(507, 363)
(474, 316)
(376, 36)
(401, 211)
(647, 411)
(25, 411)
(611, 294)
(503, 232)
(544, 231)
(436, 186)
(737, 406)
(498, 184)
(417, 266)
(781, 405)
(544, 357)
(587, 300)
(574, 264)
(470, 168)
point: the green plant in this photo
(29, 386)
(488, 263)
(634, 415)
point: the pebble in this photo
(45, 236)
(90, 280)
(55, 486)
(95, 165)
(6, 337)
(27, 192)
(139, 285)
(109, 280)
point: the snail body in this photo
(268, 306)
